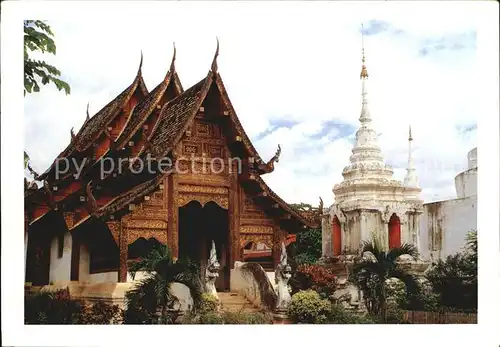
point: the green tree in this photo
(38, 37)
(370, 274)
(455, 278)
(149, 300)
(307, 247)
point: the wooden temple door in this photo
(394, 232)
(336, 236)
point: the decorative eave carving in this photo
(48, 194)
(36, 176)
(91, 202)
(268, 167)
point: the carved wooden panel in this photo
(256, 229)
(185, 198)
(191, 149)
(136, 233)
(114, 227)
(146, 224)
(69, 219)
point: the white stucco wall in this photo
(449, 221)
(466, 183)
(104, 277)
(60, 268)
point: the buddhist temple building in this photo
(192, 176)
(369, 201)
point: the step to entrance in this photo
(234, 302)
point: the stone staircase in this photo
(234, 302)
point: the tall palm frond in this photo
(371, 275)
(405, 249)
(152, 294)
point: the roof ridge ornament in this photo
(33, 172)
(214, 67)
(172, 64)
(139, 72)
(73, 136)
(269, 166)
(88, 116)
(410, 138)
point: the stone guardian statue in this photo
(212, 272)
(282, 276)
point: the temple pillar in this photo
(123, 249)
(75, 258)
(326, 237)
(25, 240)
(234, 220)
(363, 227)
(277, 239)
(173, 216)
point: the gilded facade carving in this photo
(114, 228)
(69, 219)
(256, 229)
(146, 223)
(221, 200)
(134, 234)
(202, 189)
(205, 179)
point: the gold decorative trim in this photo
(202, 189)
(135, 234)
(146, 223)
(184, 199)
(254, 229)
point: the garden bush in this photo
(227, 318)
(316, 277)
(99, 313)
(51, 308)
(339, 315)
(208, 303)
(306, 306)
(59, 308)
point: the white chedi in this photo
(282, 276)
(212, 272)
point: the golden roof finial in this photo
(214, 67)
(364, 71)
(410, 138)
(172, 64)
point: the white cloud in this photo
(299, 63)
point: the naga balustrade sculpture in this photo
(282, 276)
(212, 272)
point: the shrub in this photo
(336, 314)
(208, 303)
(51, 308)
(246, 318)
(306, 306)
(59, 308)
(227, 318)
(99, 313)
(315, 277)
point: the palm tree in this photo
(152, 293)
(370, 273)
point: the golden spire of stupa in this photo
(364, 71)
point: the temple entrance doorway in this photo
(198, 227)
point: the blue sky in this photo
(291, 84)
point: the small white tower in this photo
(411, 179)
